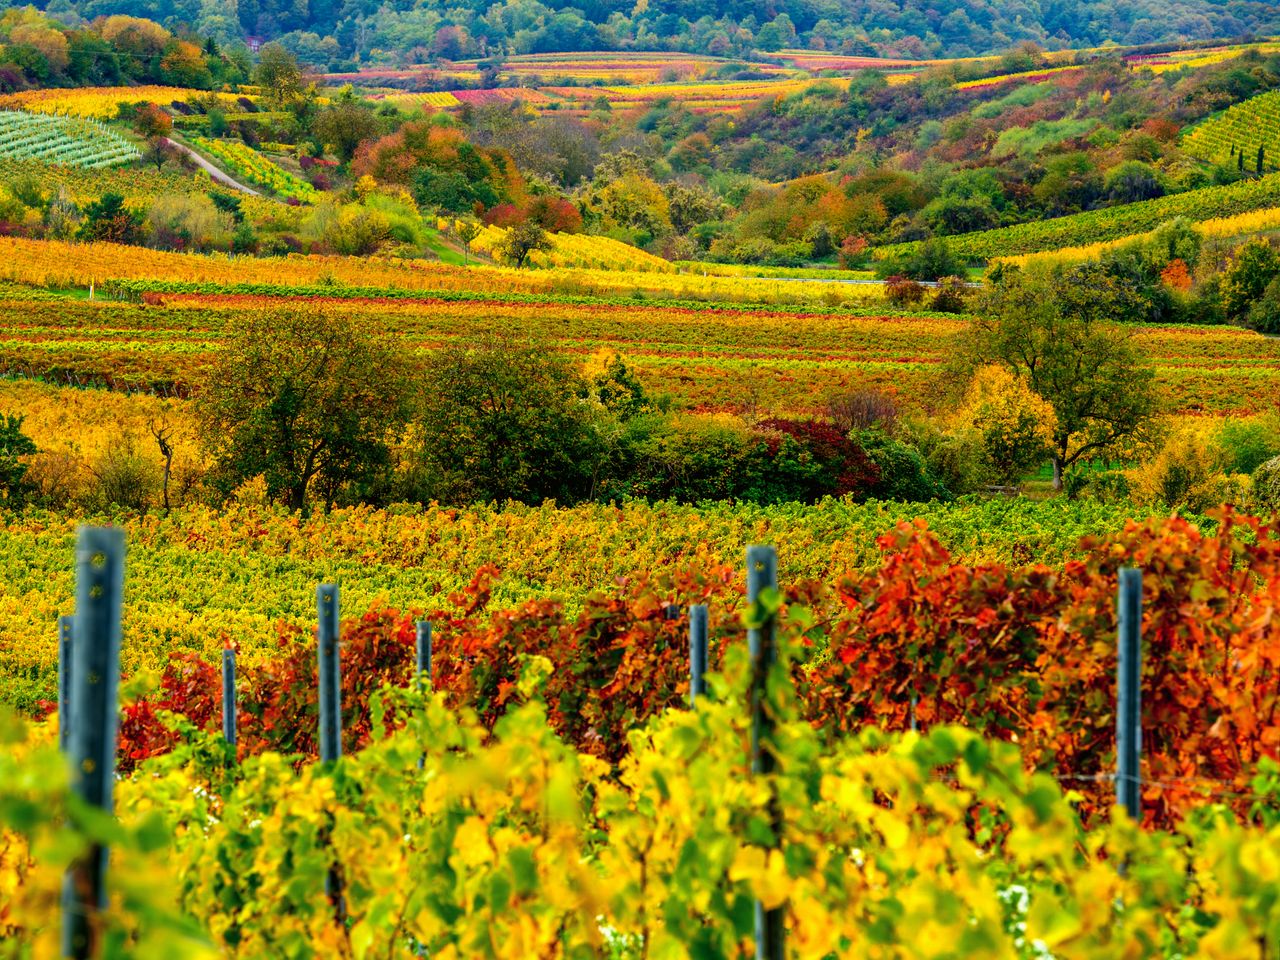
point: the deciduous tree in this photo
(502, 422)
(1055, 330)
(302, 397)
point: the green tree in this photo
(344, 126)
(502, 422)
(301, 397)
(108, 219)
(14, 447)
(1264, 315)
(522, 240)
(466, 231)
(1132, 181)
(278, 74)
(931, 260)
(1251, 269)
(1055, 330)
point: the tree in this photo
(503, 422)
(278, 74)
(14, 447)
(1249, 271)
(1133, 181)
(1015, 423)
(1054, 330)
(150, 121)
(159, 152)
(932, 259)
(108, 219)
(466, 231)
(522, 240)
(302, 396)
(344, 126)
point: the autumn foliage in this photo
(1025, 654)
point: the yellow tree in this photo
(1016, 424)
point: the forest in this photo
(357, 30)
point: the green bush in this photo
(904, 475)
(1266, 485)
(15, 447)
(1247, 444)
(1264, 315)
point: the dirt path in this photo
(211, 170)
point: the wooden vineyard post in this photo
(94, 691)
(1129, 694)
(762, 576)
(697, 651)
(66, 650)
(229, 695)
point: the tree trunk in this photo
(168, 470)
(1057, 473)
(298, 497)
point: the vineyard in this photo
(98, 103)
(1195, 58)
(543, 777)
(778, 583)
(1240, 131)
(248, 568)
(706, 359)
(49, 263)
(1027, 76)
(577, 250)
(245, 162)
(1111, 223)
(552, 68)
(1241, 225)
(62, 141)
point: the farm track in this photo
(217, 174)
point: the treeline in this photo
(352, 29)
(47, 50)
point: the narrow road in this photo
(211, 170)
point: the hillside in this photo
(1240, 135)
(327, 32)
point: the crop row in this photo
(713, 359)
(1027, 76)
(1109, 223)
(439, 839)
(50, 263)
(578, 250)
(61, 141)
(1241, 224)
(243, 569)
(1240, 129)
(100, 103)
(245, 162)
(1194, 59)
(708, 359)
